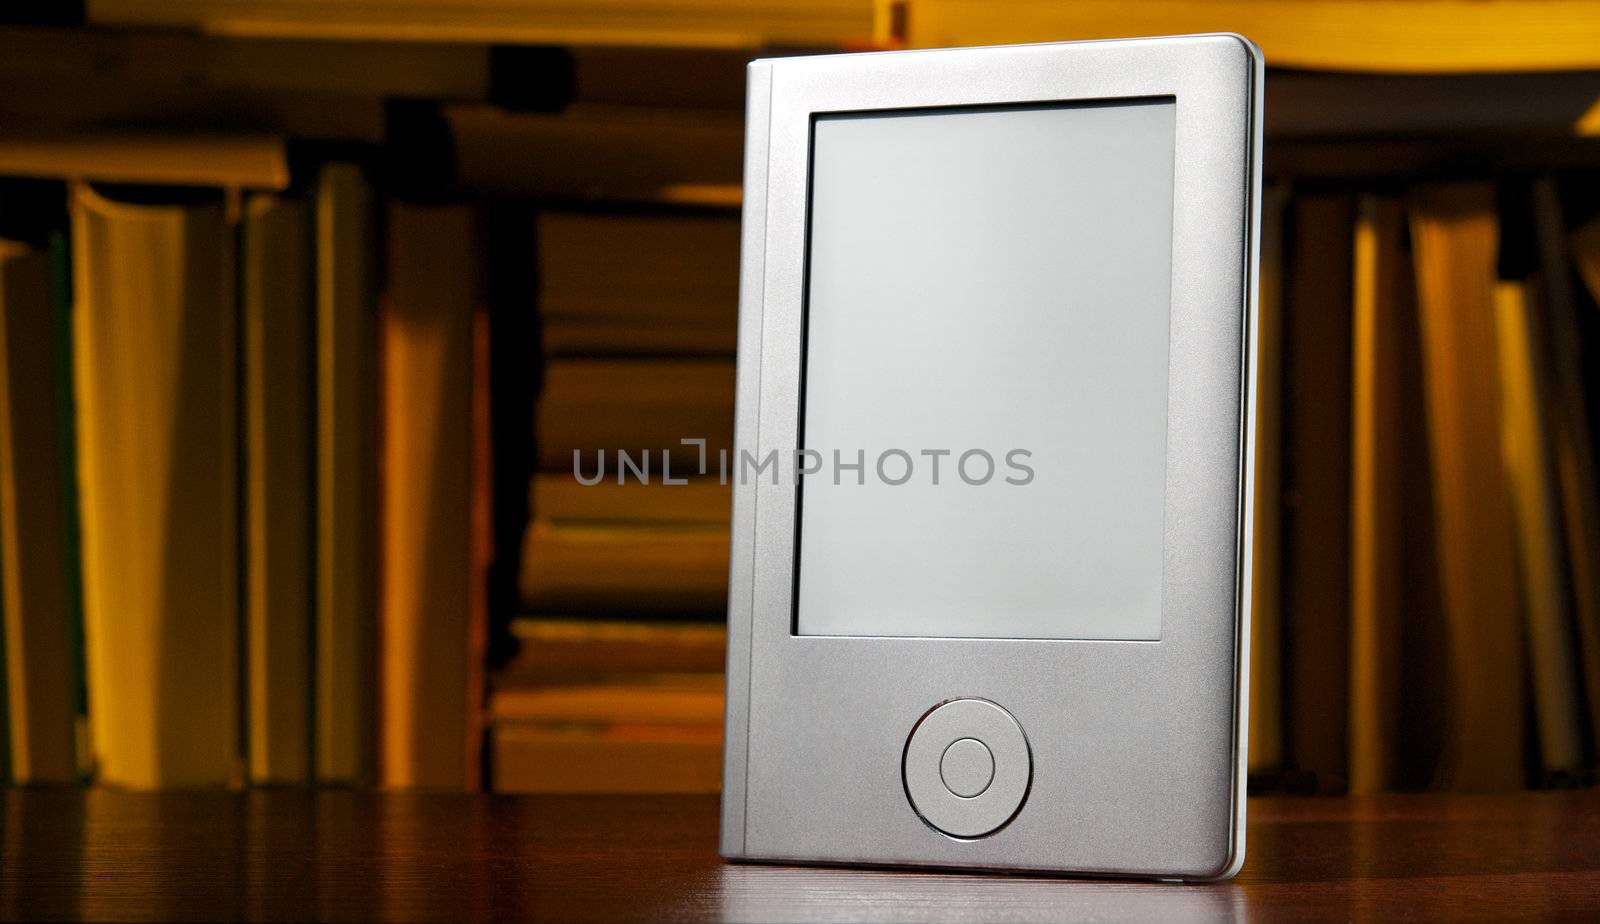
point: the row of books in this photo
(268, 494)
(625, 560)
(1427, 612)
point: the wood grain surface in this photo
(288, 855)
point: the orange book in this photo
(639, 407)
(434, 537)
(619, 569)
(1455, 238)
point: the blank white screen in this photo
(988, 279)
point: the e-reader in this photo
(989, 590)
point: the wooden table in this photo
(284, 855)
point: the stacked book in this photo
(630, 502)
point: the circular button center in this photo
(967, 767)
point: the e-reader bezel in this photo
(1138, 746)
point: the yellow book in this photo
(346, 477)
(35, 555)
(1525, 448)
(154, 340)
(1383, 301)
(1455, 232)
(276, 310)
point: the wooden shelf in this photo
(1376, 36)
(664, 124)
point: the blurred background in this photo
(306, 306)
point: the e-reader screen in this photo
(983, 429)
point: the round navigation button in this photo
(967, 768)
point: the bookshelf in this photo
(550, 202)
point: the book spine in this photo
(346, 478)
(155, 342)
(277, 404)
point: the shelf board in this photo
(1379, 36)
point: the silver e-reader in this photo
(990, 570)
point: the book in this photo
(656, 699)
(593, 410)
(567, 649)
(675, 277)
(531, 757)
(37, 597)
(1455, 232)
(1266, 598)
(251, 161)
(1382, 297)
(346, 477)
(1525, 446)
(155, 339)
(695, 78)
(601, 153)
(1317, 332)
(1392, 36)
(596, 706)
(562, 498)
(625, 284)
(1561, 328)
(643, 733)
(567, 337)
(1585, 244)
(435, 533)
(275, 308)
(637, 570)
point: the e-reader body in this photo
(990, 572)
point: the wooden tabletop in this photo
(284, 855)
